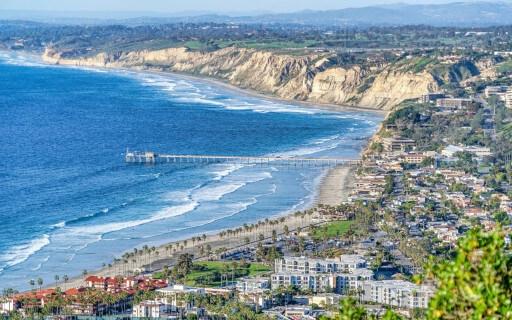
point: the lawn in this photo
(332, 229)
(208, 273)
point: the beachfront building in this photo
(396, 293)
(117, 284)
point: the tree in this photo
(183, 266)
(348, 311)
(477, 283)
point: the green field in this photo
(208, 273)
(332, 229)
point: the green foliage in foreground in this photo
(475, 284)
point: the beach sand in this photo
(336, 186)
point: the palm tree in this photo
(56, 278)
(40, 283)
(32, 283)
(66, 279)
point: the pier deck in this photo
(154, 158)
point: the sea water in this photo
(69, 202)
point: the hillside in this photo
(318, 77)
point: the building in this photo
(340, 275)
(398, 144)
(432, 97)
(453, 103)
(497, 91)
(417, 157)
(303, 265)
(261, 299)
(451, 150)
(252, 284)
(508, 99)
(172, 296)
(149, 309)
(326, 299)
(397, 293)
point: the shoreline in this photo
(332, 188)
(340, 177)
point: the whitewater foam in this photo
(21, 253)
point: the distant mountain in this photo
(461, 14)
(464, 14)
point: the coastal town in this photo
(439, 166)
(419, 226)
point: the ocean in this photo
(69, 202)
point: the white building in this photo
(252, 284)
(508, 99)
(453, 103)
(172, 295)
(498, 91)
(149, 309)
(303, 265)
(340, 275)
(397, 293)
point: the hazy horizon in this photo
(132, 8)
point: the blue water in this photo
(68, 202)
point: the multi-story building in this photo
(303, 265)
(398, 144)
(453, 103)
(432, 97)
(340, 275)
(508, 99)
(173, 296)
(252, 284)
(323, 282)
(497, 91)
(149, 309)
(396, 293)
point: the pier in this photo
(154, 158)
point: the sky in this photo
(178, 6)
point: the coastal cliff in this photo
(317, 77)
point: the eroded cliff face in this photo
(314, 77)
